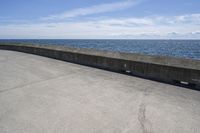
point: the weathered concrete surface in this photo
(42, 95)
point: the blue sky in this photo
(90, 19)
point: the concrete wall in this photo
(166, 69)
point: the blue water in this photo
(174, 48)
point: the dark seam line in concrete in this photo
(10, 60)
(32, 83)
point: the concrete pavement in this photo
(43, 95)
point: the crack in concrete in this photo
(142, 117)
(144, 122)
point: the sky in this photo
(99, 19)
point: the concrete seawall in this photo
(166, 69)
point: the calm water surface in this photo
(175, 48)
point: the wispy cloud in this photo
(182, 26)
(96, 9)
(188, 19)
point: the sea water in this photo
(175, 48)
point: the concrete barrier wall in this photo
(166, 69)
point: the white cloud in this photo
(183, 26)
(126, 22)
(103, 8)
